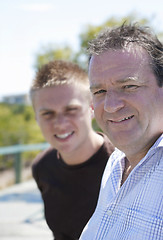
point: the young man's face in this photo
(126, 98)
(64, 116)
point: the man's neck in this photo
(86, 151)
(126, 171)
(131, 160)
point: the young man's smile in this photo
(64, 136)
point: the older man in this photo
(126, 79)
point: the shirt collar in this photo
(152, 150)
(158, 143)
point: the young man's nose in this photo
(60, 119)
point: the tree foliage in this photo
(91, 31)
(18, 125)
(17, 122)
(80, 57)
(51, 52)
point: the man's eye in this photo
(99, 92)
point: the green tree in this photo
(52, 52)
(91, 31)
(18, 125)
(80, 57)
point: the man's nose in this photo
(113, 101)
(60, 120)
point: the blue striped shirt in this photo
(133, 211)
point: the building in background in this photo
(16, 99)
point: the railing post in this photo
(18, 168)
(17, 150)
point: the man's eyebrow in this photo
(124, 80)
(96, 86)
(127, 79)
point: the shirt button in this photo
(109, 212)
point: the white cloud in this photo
(40, 7)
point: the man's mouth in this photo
(63, 136)
(123, 119)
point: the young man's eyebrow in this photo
(44, 109)
(71, 106)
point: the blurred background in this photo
(32, 33)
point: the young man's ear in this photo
(92, 111)
(36, 119)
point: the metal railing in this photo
(17, 150)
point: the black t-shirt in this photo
(70, 193)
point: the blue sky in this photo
(27, 25)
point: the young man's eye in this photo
(72, 110)
(47, 114)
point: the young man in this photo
(126, 79)
(69, 173)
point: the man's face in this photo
(64, 116)
(126, 98)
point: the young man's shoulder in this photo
(109, 147)
(46, 155)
